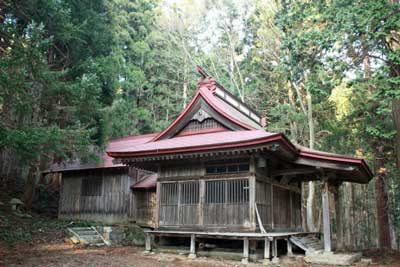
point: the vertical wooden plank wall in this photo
(279, 205)
(218, 214)
(111, 205)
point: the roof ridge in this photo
(212, 85)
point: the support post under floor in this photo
(147, 242)
(275, 258)
(245, 259)
(289, 247)
(267, 251)
(326, 218)
(192, 254)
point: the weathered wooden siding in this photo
(191, 199)
(173, 212)
(141, 209)
(279, 205)
(187, 170)
(110, 205)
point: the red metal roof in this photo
(122, 143)
(147, 183)
(230, 139)
(198, 142)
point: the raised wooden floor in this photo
(270, 240)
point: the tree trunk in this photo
(30, 187)
(384, 236)
(396, 120)
(185, 83)
(311, 185)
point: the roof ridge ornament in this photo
(206, 81)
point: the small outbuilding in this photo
(106, 192)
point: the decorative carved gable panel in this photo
(200, 116)
(195, 125)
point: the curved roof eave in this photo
(278, 137)
(338, 159)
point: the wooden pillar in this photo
(275, 258)
(245, 259)
(267, 249)
(289, 247)
(252, 202)
(147, 242)
(192, 254)
(326, 217)
(158, 205)
(202, 191)
(253, 248)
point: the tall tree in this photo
(57, 75)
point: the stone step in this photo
(88, 236)
(86, 232)
(81, 228)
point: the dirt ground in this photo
(57, 254)
(39, 242)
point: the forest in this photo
(74, 74)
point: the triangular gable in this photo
(212, 109)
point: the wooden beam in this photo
(326, 218)
(324, 164)
(295, 171)
(260, 224)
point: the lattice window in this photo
(227, 168)
(238, 191)
(189, 193)
(227, 191)
(92, 186)
(169, 194)
(215, 192)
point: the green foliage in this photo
(59, 71)
(15, 230)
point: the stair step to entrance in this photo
(307, 243)
(88, 236)
(82, 228)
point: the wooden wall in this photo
(142, 207)
(202, 215)
(198, 213)
(113, 203)
(279, 206)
